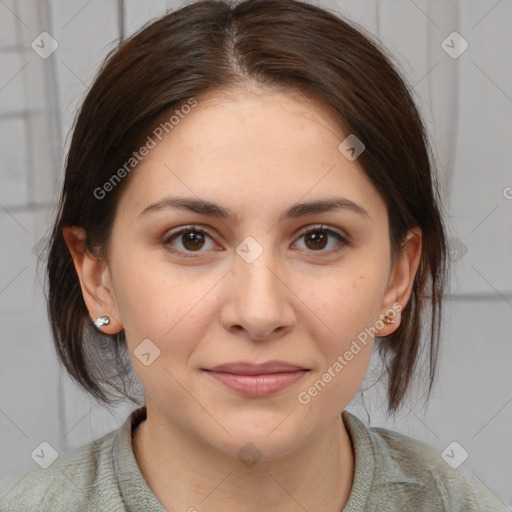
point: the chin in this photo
(258, 440)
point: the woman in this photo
(249, 206)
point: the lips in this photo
(245, 368)
(257, 380)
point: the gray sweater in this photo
(393, 472)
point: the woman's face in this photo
(256, 287)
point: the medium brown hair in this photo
(221, 45)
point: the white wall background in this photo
(467, 103)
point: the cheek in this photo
(170, 308)
(352, 304)
(146, 292)
(346, 308)
(343, 317)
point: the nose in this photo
(258, 301)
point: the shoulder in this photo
(427, 480)
(74, 479)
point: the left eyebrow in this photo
(321, 206)
(297, 210)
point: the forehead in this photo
(257, 147)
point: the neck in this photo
(185, 473)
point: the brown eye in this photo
(192, 239)
(317, 239)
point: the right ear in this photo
(95, 280)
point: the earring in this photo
(387, 320)
(101, 321)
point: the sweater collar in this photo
(135, 491)
(138, 495)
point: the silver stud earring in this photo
(101, 321)
(387, 320)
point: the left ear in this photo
(401, 280)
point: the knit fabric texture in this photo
(393, 473)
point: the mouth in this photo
(257, 380)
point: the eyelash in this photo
(197, 229)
